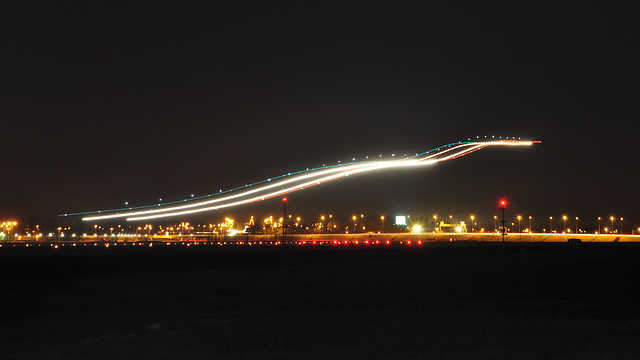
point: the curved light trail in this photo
(294, 182)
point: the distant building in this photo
(452, 228)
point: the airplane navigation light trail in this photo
(293, 182)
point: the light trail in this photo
(297, 181)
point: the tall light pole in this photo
(322, 223)
(530, 225)
(550, 224)
(599, 218)
(519, 232)
(284, 219)
(472, 219)
(621, 218)
(612, 218)
(564, 218)
(503, 207)
(435, 223)
(354, 223)
(495, 223)
(381, 223)
(576, 224)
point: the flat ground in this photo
(436, 302)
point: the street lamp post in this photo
(599, 218)
(621, 218)
(381, 223)
(576, 224)
(550, 224)
(472, 219)
(564, 218)
(495, 223)
(519, 231)
(612, 218)
(354, 223)
(530, 225)
(435, 223)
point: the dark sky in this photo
(103, 103)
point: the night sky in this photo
(107, 103)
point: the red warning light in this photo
(503, 204)
(284, 199)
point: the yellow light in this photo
(417, 229)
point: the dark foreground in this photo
(436, 302)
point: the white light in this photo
(302, 180)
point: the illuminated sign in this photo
(401, 220)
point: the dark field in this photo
(441, 301)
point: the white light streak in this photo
(303, 180)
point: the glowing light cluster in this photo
(273, 187)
